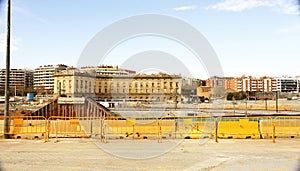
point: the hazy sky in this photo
(252, 37)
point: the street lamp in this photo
(7, 79)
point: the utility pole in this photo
(6, 111)
(276, 101)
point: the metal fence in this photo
(59, 126)
(25, 126)
(168, 127)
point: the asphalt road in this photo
(84, 154)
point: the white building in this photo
(108, 70)
(43, 77)
(287, 84)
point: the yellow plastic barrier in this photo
(238, 128)
(25, 126)
(165, 127)
(138, 127)
(194, 127)
(266, 127)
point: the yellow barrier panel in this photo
(150, 127)
(193, 127)
(266, 127)
(25, 126)
(238, 128)
(139, 127)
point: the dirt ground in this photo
(85, 154)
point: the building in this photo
(108, 70)
(287, 84)
(74, 83)
(43, 80)
(298, 78)
(20, 79)
(251, 84)
(214, 87)
(140, 87)
(190, 82)
(204, 91)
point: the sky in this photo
(251, 37)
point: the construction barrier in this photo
(25, 126)
(234, 127)
(133, 127)
(166, 127)
(266, 125)
(161, 128)
(59, 126)
(194, 127)
(287, 126)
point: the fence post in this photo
(101, 133)
(56, 126)
(159, 131)
(216, 131)
(132, 131)
(273, 135)
(46, 130)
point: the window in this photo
(76, 85)
(70, 84)
(90, 87)
(64, 84)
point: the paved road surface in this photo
(83, 154)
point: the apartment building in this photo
(257, 84)
(251, 84)
(20, 79)
(43, 80)
(287, 84)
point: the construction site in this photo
(129, 133)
